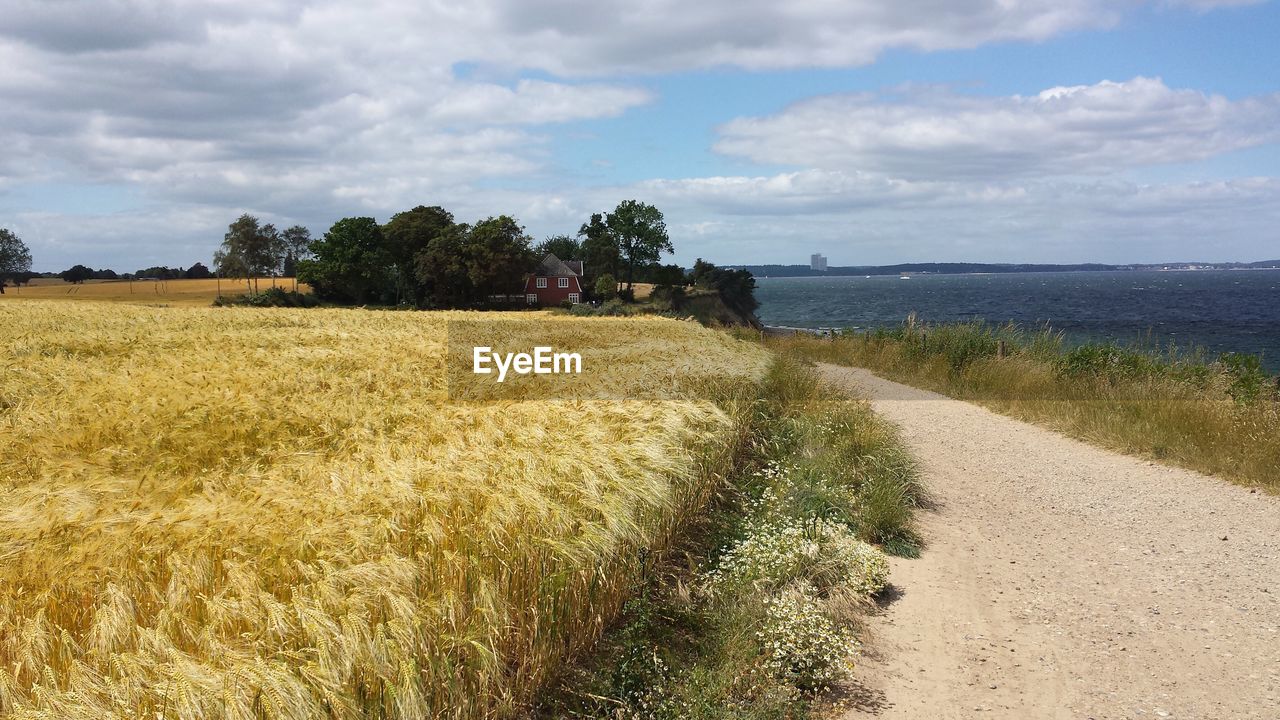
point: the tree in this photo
(159, 272)
(562, 246)
(249, 250)
(350, 262)
(76, 274)
(498, 256)
(15, 258)
(606, 287)
(266, 254)
(197, 272)
(667, 275)
(442, 269)
(297, 246)
(599, 248)
(407, 235)
(232, 259)
(736, 287)
(640, 233)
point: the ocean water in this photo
(1221, 311)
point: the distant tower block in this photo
(817, 262)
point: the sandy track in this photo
(1066, 581)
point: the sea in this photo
(1217, 310)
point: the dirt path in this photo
(1066, 581)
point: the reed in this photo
(240, 513)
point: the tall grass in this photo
(245, 513)
(756, 612)
(1215, 415)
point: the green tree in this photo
(408, 234)
(15, 258)
(267, 256)
(296, 242)
(76, 274)
(197, 272)
(606, 287)
(350, 262)
(498, 257)
(736, 287)
(641, 235)
(562, 246)
(249, 250)
(441, 269)
(599, 248)
(667, 275)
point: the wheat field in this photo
(241, 513)
(184, 293)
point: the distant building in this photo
(554, 281)
(817, 262)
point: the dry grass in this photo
(1182, 411)
(142, 292)
(237, 513)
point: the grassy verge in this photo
(754, 613)
(1214, 415)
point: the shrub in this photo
(271, 297)
(606, 287)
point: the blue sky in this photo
(874, 132)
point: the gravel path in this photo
(1061, 580)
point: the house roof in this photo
(555, 267)
(575, 266)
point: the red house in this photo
(554, 281)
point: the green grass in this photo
(754, 614)
(1215, 415)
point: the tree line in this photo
(424, 257)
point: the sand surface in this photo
(1062, 580)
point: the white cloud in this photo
(305, 111)
(936, 133)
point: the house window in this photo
(542, 282)
(563, 282)
(573, 297)
(532, 298)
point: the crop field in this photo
(243, 513)
(141, 292)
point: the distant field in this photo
(142, 292)
(237, 513)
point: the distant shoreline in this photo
(916, 269)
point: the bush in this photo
(606, 287)
(271, 297)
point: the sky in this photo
(132, 132)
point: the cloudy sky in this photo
(875, 131)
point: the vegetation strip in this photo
(754, 614)
(1218, 415)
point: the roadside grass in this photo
(755, 613)
(1218, 415)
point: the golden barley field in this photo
(184, 293)
(269, 513)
